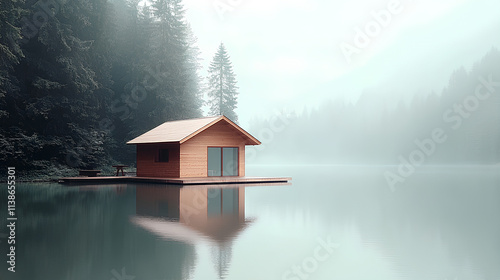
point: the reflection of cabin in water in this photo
(212, 146)
(194, 215)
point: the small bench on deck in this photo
(89, 173)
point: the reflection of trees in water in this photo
(221, 258)
(70, 233)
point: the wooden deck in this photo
(173, 181)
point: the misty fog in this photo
(457, 126)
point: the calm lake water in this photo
(331, 223)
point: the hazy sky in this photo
(288, 54)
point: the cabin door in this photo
(222, 161)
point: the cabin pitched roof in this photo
(183, 130)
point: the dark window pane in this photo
(163, 155)
(214, 161)
(230, 162)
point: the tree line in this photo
(377, 131)
(80, 78)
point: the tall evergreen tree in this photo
(10, 33)
(10, 55)
(62, 90)
(10, 49)
(222, 88)
(171, 84)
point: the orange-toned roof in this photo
(183, 130)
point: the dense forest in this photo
(80, 78)
(371, 131)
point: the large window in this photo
(222, 161)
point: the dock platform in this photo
(173, 181)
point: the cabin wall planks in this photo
(148, 165)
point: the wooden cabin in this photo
(203, 147)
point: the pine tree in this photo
(222, 88)
(10, 34)
(170, 58)
(10, 49)
(62, 89)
